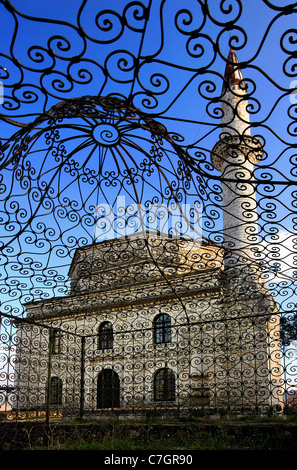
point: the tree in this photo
(288, 329)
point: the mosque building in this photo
(163, 322)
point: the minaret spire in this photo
(235, 155)
(234, 99)
(233, 75)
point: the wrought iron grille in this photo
(148, 208)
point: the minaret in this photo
(235, 155)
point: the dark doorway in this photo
(108, 390)
(56, 391)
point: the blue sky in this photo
(172, 76)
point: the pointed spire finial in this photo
(233, 75)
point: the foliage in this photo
(288, 331)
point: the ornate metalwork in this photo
(148, 208)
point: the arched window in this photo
(162, 328)
(56, 391)
(164, 385)
(108, 389)
(105, 336)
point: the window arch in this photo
(164, 385)
(56, 342)
(105, 335)
(162, 328)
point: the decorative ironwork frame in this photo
(127, 101)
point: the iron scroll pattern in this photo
(66, 63)
(100, 313)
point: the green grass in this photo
(200, 443)
(152, 433)
(199, 440)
